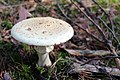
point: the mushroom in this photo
(43, 33)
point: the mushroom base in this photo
(43, 54)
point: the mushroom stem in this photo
(43, 54)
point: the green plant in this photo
(6, 24)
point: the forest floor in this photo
(91, 54)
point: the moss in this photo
(6, 24)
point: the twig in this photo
(108, 16)
(97, 26)
(89, 53)
(59, 7)
(87, 9)
(106, 25)
(107, 43)
(77, 68)
(104, 12)
(100, 58)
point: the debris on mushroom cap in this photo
(42, 31)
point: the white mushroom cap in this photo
(42, 31)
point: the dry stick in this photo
(88, 13)
(89, 53)
(78, 67)
(106, 41)
(92, 53)
(109, 21)
(113, 51)
(101, 58)
(106, 25)
(59, 7)
(86, 9)
(108, 16)
(97, 26)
